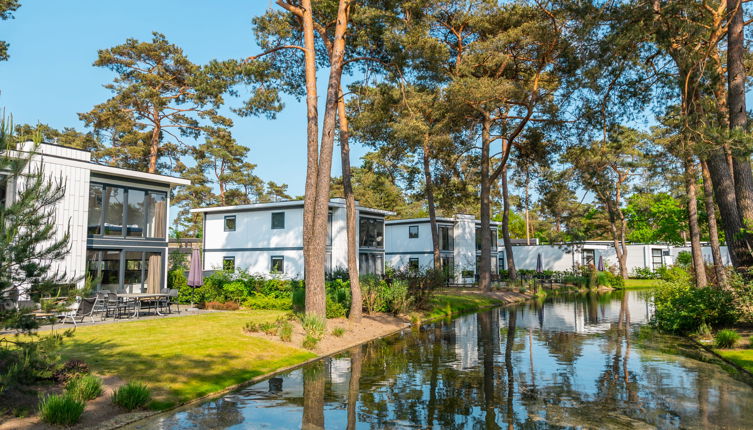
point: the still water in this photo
(579, 361)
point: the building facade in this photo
(409, 244)
(267, 238)
(117, 220)
(566, 256)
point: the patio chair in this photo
(172, 299)
(111, 303)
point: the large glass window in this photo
(371, 263)
(656, 258)
(492, 239)
(156, 215)
(141, 271)
(110, 270)
(134, 271)
(448, 265)
(114, 200)
(136, 213)
(96, 194)
(446, 239)
(371, 232)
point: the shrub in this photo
(335, 309)
(310, 342)
(176, 278)
(644, 273)
(61, 409)
(258, 301)
(313, 326)
(286, 331)
(84, 388)
(338, 332)
(726, 338)
(609, 279)
(227, 306)
(680, 307)
(71, 369)
(684, 258)
(399, 297)
(372, 290)
(269, 328)
(251, 327)
(132, 395)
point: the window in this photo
(448, 265)
(4, 179)
(502, 261)
(278, 220)
(371, 232)
(113, 203)
(120, 212)
(446, 240)
(134, 271)
(329, 229)
(493, 238)
(657, 260)
(229, 222)
(278, 264)
(228, 263)
(589, 257)
(371, 263)
(141, 271)
(413, 263)
(413, 232)
(136, 214)
(156, 215)
(96, 193)
(110, 270)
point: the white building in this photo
(267, 238)
(409, 244)
(117, 219)
(564, 257)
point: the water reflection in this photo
(569, 362)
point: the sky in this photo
(49, 77)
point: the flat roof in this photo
(426, 220)
(337, 203)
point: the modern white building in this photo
(566, 256)
(117, 219)
(267, 238)
(409, 244)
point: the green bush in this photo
(84, 388)
(644, 273)
(61, 409)
(132, 395)
(398, 297)
(726, 338)
(176, 278)
(257, 301)
(680, 307)
(684, 258)
(335, 309)
(286, 331)
(313, 325)
(373, 291)
(609, 279)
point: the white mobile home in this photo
(267, 238)
(409, 244)
(566, 256)
(117, 219)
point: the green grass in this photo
(445, 305)
(132, 395)
(182, 358)
(641, 283)
(741, 357)
(60, 409)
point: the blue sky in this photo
(49, 77)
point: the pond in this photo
(575, 361)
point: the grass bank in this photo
(453, 304)
(641, 283)
(183, 358)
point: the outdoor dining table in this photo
(139, 297)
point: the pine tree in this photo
(7, 7)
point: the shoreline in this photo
(387, 326)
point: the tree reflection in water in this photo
(571, 362)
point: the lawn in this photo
(455, 304)
(741, 357)
(641, 283)
(182, 358)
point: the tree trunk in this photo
(511, 271)
(431, 206)
(716, 251)
(618, 237)
(486, 344)
(356, 357)
(738, 116)
(315, 301)
(154, 146)
(695, 232)
(356, 302)
(485, 268)
(314, 385)
(724, 193)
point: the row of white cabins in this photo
(118, 221)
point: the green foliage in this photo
(654, 218)
(176, 279)
(310, 342)
(84, 387)
(726, 338)
(682, 308)
(258, 301)
(644, 273)
(286, 331)
(338, 332)
(335, 309)
(61, 409)
(251, 327)
(609, 279)
(684, 258)
(269, 328)
(26, 361)
(132, 395)
(7, 7)
(313, 325)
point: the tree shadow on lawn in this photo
(174, 377)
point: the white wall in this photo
(258, 262)
(465, 244)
